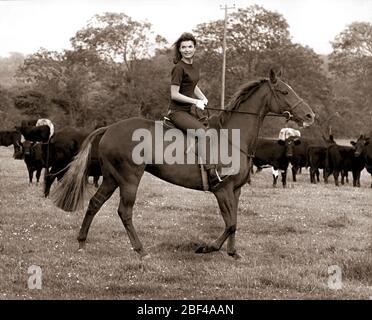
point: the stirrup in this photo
(218, 175)
(215, 181)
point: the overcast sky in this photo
(27, 25)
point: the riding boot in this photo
(213, 164)
(214, 178)
(213, 175)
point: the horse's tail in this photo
(70, 194)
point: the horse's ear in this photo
(272, 76)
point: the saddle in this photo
(209, 121)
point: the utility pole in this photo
(224, 56)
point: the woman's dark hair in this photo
(186, 36)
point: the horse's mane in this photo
(243, 93)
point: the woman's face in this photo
(187, 49)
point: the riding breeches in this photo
(184, 120)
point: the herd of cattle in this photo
(326, 154)
(34, 144)
(39, 150)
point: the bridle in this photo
(286, 114)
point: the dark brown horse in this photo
(245, 112)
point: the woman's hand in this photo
(200, 104)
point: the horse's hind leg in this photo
(127, 198)
(103, 193)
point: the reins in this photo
(285, 114)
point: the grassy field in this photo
(288, 239)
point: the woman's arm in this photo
(176, 95)
(199, 94)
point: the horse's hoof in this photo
(81, 246)
(145, 257)
(206, 249)
(200, 249)
(81, 249)
(235, 255)
(142, 253)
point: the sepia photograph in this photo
(185, 155)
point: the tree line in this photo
(117, 68)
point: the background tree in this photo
(117, 68)
(351, 67)
(9, 115)
(8, 67)
(259, 39)
(58, 76)
(124, 45)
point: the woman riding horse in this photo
(185, 77)
(246, 112)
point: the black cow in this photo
(363, 148)
(299, 158)
(60, 151)
(8, 138)
(276, 153)
(317, 160)
(33, 157)
(35, 134)
(317, 156)
(352, 161)
(341, 159)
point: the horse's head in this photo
(284, 100)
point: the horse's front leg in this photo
(231, 250)
(226, 202)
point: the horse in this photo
(245, 111)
